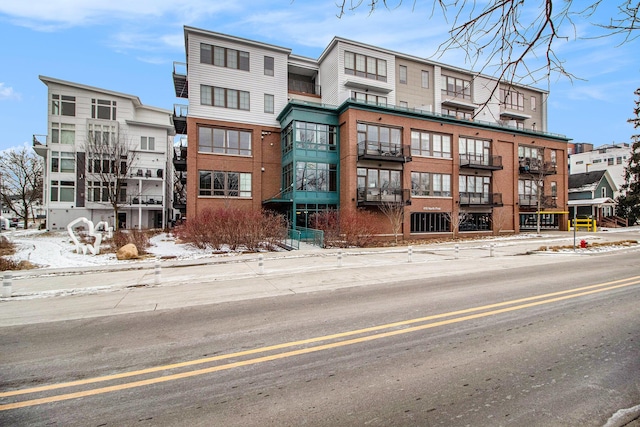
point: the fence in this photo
(587, 224)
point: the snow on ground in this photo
(56, 249)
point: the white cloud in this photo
(7, 92)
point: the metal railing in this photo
(489, 199)
(311, 236)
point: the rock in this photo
(128, 251)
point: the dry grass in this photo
(589, 245)
(6, 264)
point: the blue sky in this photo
(130, 46)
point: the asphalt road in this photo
(553, 345)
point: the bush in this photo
(139, 238)
(236, 228)
(346, 228)
(9, 264)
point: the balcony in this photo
(478, 161)
(40, 148)
(147, 173)
(180, 80)
(375, 196)
(368, 150)
(480, 199)
(180, 112)
(303, 86)
(179, 202)
(531, 201)
(537, 167)
(180, 159)
(145, 200)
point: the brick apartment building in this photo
(360, 127)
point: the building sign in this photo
(431, 208)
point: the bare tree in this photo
(536, 172)
(22, 174)
(509, 35)
(394, 211)
(456, 220)
(109, 162)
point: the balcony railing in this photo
(480, 199)
(145, 200)
(304, 87)
(180, 112)
(380, 195)
(389, 152)
(537, 166)
(532, 201)
(147, 173)
(180, 82)
(478, 161)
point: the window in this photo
(103, 109)
(63, 191)
(227, 184)
(402, 73)
(529, 158)
(425, 79)
(225, 98)
(430, 184)
(579, 162)
(453, 86)
(474, 189)
(268, 103)
(475, 150)
(533, 103)
(430, 144)
(268, 66)
(511, 99)
(528, 192)
(422, 222)
(369, 98)
(63, 133)
(101, 134)
(379, 185)
(312, 176)
(603, 192)
(365, 66)
(618, 160)
(63, 105)
(224, 141)
(554, 189)
(147, 143)
(224, 57)
(102, 191)
(458, 113)
(63, 162)
(310, 136)
(610, 161)
(597, 161)
(404, 104)
(380, 140)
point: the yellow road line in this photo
(587, 290)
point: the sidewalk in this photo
(48, 295)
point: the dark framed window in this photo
(103, 109)
(224, 141)
(430, 144)
(224, 57)
(423, 222)
(365, 66)
(454, 86)
(268, 66)
(63, 105)
(226, 184)
(430, 184)
(225, 98)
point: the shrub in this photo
(140, 238)
(236, 228)
(346, 228)
(7, 264)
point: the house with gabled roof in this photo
(591, 194)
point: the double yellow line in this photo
(334, 341)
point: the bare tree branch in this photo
(22, 174)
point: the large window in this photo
(63, 105)
(475, 150)
(226, 184)
(530, 159)
(224, 57)
(312, 176)
(315, 136)
(101, 191)
(222, 97)
(474, 189)
(528, 192)
(63, 133)
(422, 222)
(369, 98)
(224, 141)
(381, 140)
(512, 99)
(453, 86)
(102, 134)
(430, 144)
(379, 184)
(63, 191)
(63, 162)
(365, 66)
(103, 109)
(430, 184)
